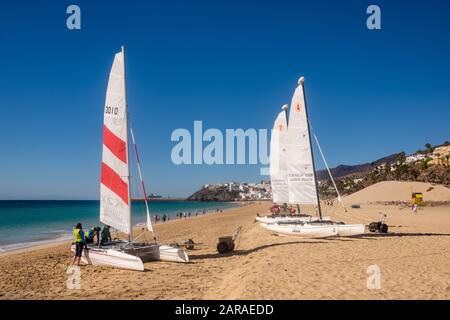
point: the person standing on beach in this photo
(106, 235)
(91, 234)
(79, 243)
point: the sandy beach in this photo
(414, 258)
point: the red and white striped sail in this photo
(115, 209)
(278, 174)
(300, 170)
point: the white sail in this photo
(115, 209)
(278, 164)
(300, 172)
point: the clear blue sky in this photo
(231, 64)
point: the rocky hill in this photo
(431, 165)
(233, 191)
(358, 169)
(214, 195)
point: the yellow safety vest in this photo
(76, 233)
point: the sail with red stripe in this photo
(115, 209)
(278, 159)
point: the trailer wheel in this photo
(189, 244)
(373, 226)
(222, 247)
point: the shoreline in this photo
(47, 243)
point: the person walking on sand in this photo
(414, 208)
(78, 233)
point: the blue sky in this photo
(231, 64)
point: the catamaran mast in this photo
(130, 236)
(302, 81)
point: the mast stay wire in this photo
(331, 176)
(328, 169)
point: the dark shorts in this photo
(78, 249)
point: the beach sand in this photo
(414, 260)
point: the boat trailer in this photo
(227, 243)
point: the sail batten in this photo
(300, 167)
(115, 209)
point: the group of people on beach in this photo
(164, 218)
(82, 238)
(103, 235)
(181, 215)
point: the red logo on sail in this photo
(297, 107)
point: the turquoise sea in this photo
(28, 223)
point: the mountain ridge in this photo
(357, 169)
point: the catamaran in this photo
(115, 191)
(278, 173)
(299, 179)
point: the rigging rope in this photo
(328, 169)
(332, 179)
(149, 222)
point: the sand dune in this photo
(414, 260)
(398, 191)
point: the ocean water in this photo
(28, 223)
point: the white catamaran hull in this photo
(171, 254)
(307, 231)
(343, 230)
(111, 258)
(271, 220)
(346, 230)
(131, 258)
(323, 229)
